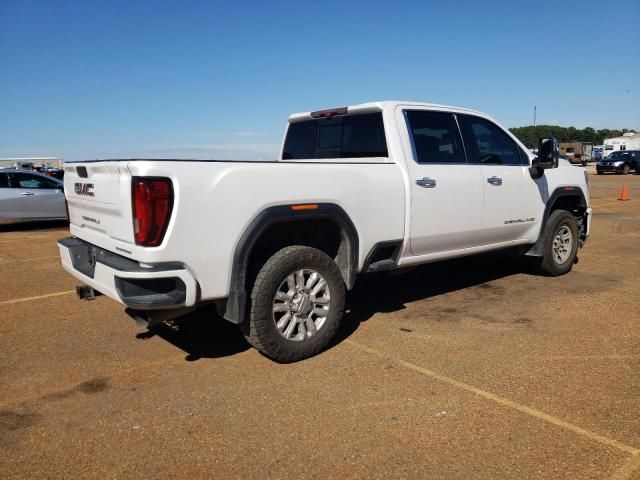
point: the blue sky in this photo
(206, 79)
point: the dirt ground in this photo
(472, 368)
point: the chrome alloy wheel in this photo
(562, 245)
(301, 305)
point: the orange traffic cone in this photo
(624, 194)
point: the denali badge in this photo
(519, 220)
(91, 219)
(84, 189)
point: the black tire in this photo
(626, 169)
(547, 264)
(260, 329)
(598, 172)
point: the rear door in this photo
(38, 197)
(8, 200)
(512, 199)
(446, 192)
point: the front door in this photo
(446, 192)
(512, 199)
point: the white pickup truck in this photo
(277, 244)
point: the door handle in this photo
(426, 182)
(27, 194)
(497, 181)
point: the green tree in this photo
(529, 135)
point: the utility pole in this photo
(534, 116)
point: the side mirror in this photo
(548, 153)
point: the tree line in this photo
(530, 135)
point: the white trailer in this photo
(628, 141)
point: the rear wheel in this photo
(560, 245)
(297, 303)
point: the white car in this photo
(27, 196)
(276, 245)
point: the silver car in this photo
(27, 196)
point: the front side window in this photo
(435, 137)
(350, 136)
(487, 143)
(26, 180)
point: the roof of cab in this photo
(386, 104)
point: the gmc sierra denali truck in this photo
(276, 245)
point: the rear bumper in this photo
(141, 287)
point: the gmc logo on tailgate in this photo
(84, 189)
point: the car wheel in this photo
(599, 172)
(560, 245)
(626, 169)
(297, 302)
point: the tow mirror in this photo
(547, 153)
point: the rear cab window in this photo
(348, 136)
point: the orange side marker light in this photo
(305, 206)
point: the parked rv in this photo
(577, 152)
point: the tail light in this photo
(152, 205)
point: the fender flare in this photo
(537, 249)
(237, 301)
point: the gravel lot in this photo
(471, 368)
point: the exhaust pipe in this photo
(85, 292)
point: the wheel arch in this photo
(568, 198)
(284, 217)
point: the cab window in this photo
(487, 143)
(435, 137)
(350, 136)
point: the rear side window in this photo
(351, 136)
(487, 143)
(26, 180)
(4, 180)
(436, 137)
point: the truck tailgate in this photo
(99, 199)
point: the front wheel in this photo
(297, 303)
(560, 245)
(626, 169)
